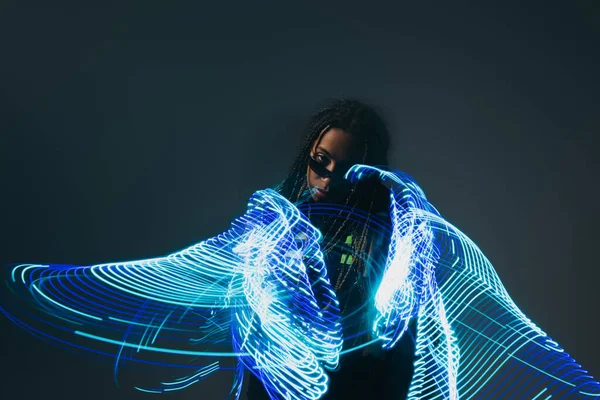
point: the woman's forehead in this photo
(339, 144)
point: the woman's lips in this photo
(321, 193)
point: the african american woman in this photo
(345, 133)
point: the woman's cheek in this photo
(310, 179)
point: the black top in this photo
(367, 372)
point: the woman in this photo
(274, 288)
(345, 133)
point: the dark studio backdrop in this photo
(133, 131)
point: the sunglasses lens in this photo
(318, 168)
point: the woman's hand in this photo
(362, 172)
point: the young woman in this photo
(266, 289)
(355, 225)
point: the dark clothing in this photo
(366, 373)
(363, 377)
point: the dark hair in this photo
(355, 117)
(364, 123)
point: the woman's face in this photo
(337, 152)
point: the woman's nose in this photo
(326, 180)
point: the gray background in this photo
(133, 131)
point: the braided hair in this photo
(366, 126)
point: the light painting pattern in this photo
(257, 297)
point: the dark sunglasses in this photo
(319, 169)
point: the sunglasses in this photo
(320, 169)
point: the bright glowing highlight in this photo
(258, 297)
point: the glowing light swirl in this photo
(292, 328)
(259, 295)
(257, 274)
(472, 339)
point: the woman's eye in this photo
(322, 159)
